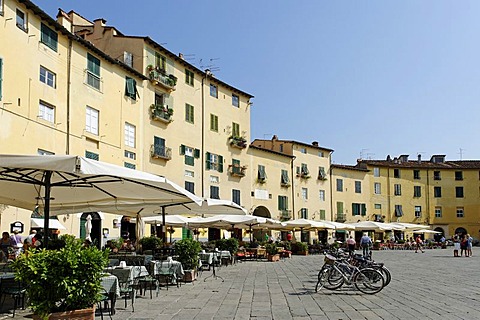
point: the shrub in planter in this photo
(62, 280)
(187, 251)
(150, 243)
(230, 245)
(299, 247)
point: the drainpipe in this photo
(202, 153)
(293, 189)
(427, 195)
(388, 195)
(69, 65)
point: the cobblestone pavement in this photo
(430, 285)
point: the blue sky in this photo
(365, 78)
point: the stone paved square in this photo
(430, 285)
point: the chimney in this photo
(180, 55)
(389, 158)
(100, 22)
(419, 158)
(64, 20)
(274, 138)
(315, 143)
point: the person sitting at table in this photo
(128, 245)
(5, 244)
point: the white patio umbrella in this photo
(173, 220)
(376, 226)
(426, 231)
(306, 224)
(339, 225)
(410, 226)
(71, 184)
(88, 228)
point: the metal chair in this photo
(14, 289)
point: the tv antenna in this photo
(461, 153)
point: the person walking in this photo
(351, 245)
(418, 243)
(366, 243)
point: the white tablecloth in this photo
(131, 272)
(162, 267)
(209, 257)
(110, 284)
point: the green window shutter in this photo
(182, 150)
(83, 232)
(196, 153)
(1, 77)
(364, 209)
(322, 214)
(235, 129)
(189, 160)
(298, 170)
(355, 209)
(280, 202)
(236, 162)
(207, 161)
(220, 164)
(186, 233)
(93, 64)
(49, 37)
(339, 207)
(130, 88)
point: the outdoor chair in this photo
(127, 287)
(104, 303)
(166, 272)
(113, 262)
(16, 290)
(149, 281)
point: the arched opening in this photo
(96, 233)
(439, 236)
(128, 229)
(461, 231)
(261, 235)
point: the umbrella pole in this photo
(164, 228)
(46, 210)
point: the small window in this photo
(397, 189)
(91, 124)
(214, 162)
(417, 191)
(236, 196)
(190, 174)
(42, 152)
(213, 122)
(358, 187)
(130, 155)
(376, 172)
(436, 175)
(438, 212)
(21, 20)
(128, 58)
(129, 165)
(460, 213)
(322, 195)
(262, 175)
(214, 179)
(235, 100)
(1, 7)
(458, 175)
(46, 112)
(304, 193)
(129, 135)
(282, 203)
(49, 37)
(235, 129)
(131, 88)
(189, 77)
(437, 192)
(377, 188)
(189, 113)
(396, 173)
(285, 181)
(190, 186)
(160, 62)
(93, 71)
(378, 206)
(398, 210)
(321, 173)
(92, 155)
(416, 174)
(304, 213)
(459, 192)
(303, 150)
(339, 185)
(418, 211)
(214, 192)
(48, 77)
(213, 90)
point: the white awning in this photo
(52, 223)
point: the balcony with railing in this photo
(237, 142)
(160, 77)
(161, 152)
(341, 217)
(237, 170)
(161, 112)
(285, 215)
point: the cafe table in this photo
(110, 284)
(162, 267)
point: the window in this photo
(48, 37)
(236, 196)
(160, 62)
(438, 212)
(21, 20)
(396, 173)
(213, 122)
(44, 152)
(46, 112)
(304, 213)
(190, 186)
(339, 207)
(189, 76)
(437, 192)
(359, 209)
(214, 162)
(189, 173)
(235, 129)
(460, 213)
(47, 77)
(321, 154)
(321, 173)
(214, 179)
(129, 135)
(131, 88)
(303, 170)
(322, 214)
(378, 206)
(458, 175)
(92, 155)
(340, 185)
(91, 121)
(130, 155)
(303, 150)
(284, 178)
(417, 191)
(190, 154)
(213, 91)
(159, 148)
(377, 187)
(214, 192)
(459, 192)
(398, 210)
(282, 203)
(129, 165)
(235, 100)
(304, 193)
(416, 174)
(376, 172)
(1, 75)
(1, 7)
(262, 175)
(93, 71)
(398, 189)
(418, 211)
(189, 114)
(436, 175)
(321, 194)
(128, 58)
(358, 186)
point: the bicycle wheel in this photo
(327, 281)
(386, 274)
(369, 281)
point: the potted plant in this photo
(65, 282)
(272, 252)
(187, 251)
(300, 248)
(150, 243)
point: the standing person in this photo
(418, 243)
(30, 240)
(366, 243)
(469, 245)
(351, 244)
(463, 246)
(289, 236)
(456, 245)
